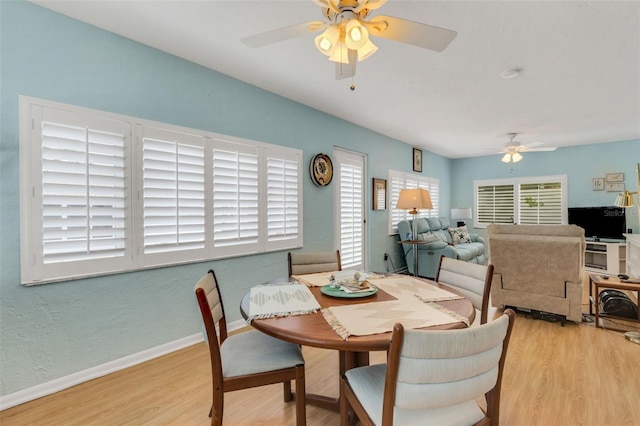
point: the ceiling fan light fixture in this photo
(356, 34)
(327, 41)
(506, 158)
(515, 157)
(367, 50)
(340, 53)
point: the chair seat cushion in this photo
(368, 385)
(253, 352)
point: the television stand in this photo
(604, 257)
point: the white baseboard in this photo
(56, 385)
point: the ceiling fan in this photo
(346, 36)
(513, 149)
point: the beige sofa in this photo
(539, 267)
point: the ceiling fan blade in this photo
(415, 33)
(329, 4)
(285, 33)
(347, 70)
(369, 5)
(543, 148)
(531, 144)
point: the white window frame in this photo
(402, 180)
(516, 183)
(35, 271)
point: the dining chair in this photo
(432, 377)
(246, 359)
(313, 262)
(470, 279)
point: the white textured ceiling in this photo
(580, 62)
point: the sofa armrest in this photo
(475, 238)
(436, 245)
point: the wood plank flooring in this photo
(572, 375)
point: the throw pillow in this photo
(460, 235)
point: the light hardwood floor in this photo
(572, 375)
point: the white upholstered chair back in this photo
(209, 286)
(314, 262)
(441, 369)
(472, 280)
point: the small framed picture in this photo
(598, 184)
(379, 194)
(615, 177)
(615, 187)
(417, 160)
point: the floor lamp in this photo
(625, 198)
(413, 200)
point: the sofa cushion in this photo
(459, 235)
(428, 238)
(469, 251)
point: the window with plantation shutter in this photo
(399, 181)
(349, 208)
(284, 209)
(102, 193)
(533, 200)
(173, 194)
(78, 208)
(495, 204)
(235, 195)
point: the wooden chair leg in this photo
(344, 405)
(217, 409)
(301, 399)
(288, 395)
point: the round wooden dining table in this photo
(313, 330)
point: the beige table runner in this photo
(313, 280)
(380, 317)
(268, 301)
(404, 286)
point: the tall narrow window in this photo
(351, 220)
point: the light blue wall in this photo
(581, 164)
(50, 331)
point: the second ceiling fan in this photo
(347, 33)
(513, 149)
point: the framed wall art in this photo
(598, 184)
(417, 160)
(615, 177)
(379, 194)
(615, 187)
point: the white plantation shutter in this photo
(104, 193)
(284, 205)
(78, 216)
(540, 203)
(530, 200)
(495, 204)
(173, 193)
(399, 181)
(235, 195)
(351, 220)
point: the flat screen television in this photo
(599, 222)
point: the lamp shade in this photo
(414, 199)
(461, 213)
(624, 199)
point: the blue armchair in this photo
(439, 242)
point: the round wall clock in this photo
(321, 169)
